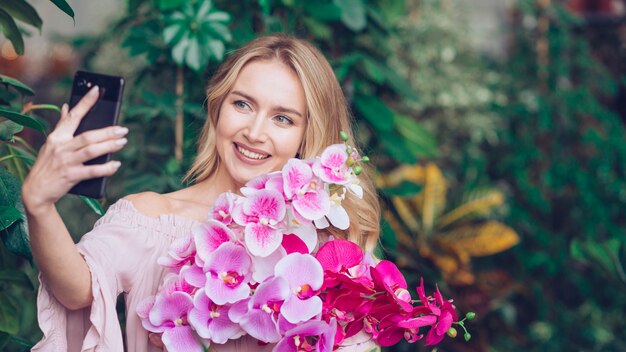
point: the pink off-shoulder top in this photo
(121, 252)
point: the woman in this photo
(274, 99)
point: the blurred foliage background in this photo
(502, 174)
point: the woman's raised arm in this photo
(57, 169)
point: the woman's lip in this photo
(245, 159)
(258, 151)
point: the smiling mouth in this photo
(250, 154)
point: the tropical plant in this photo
(426, 227)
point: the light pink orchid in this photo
(262, 214)
(208, 236)
(222, 208)
(259, 314)
(181, 252)
(312, 335)
(307, 193)
(211, 320)
(272, 181)
(332, 165)
(228, 271)
(168, 315)
(305, 276)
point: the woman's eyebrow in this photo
(279, 108)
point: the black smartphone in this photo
(103, 113)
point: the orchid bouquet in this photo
(252, 269)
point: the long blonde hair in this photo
(327, 111)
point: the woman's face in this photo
(261, 122)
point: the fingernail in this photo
(121, 141)
(116, 164)
(94, 91)
(120, 131)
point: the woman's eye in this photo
(283, 120)
(241, 105)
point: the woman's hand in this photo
(59, 165)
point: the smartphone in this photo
(105, 112)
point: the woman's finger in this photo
(97, 149)
(86, 172)
(97, 136)
(71, 119)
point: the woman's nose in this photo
(255, 131)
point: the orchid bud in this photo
(467, 336)
(344, 136)
(357, 170)
(470, 315)
(350, 161)
(365, 159)
(451, 332)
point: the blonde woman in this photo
(272, 100)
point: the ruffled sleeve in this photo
(121, 253)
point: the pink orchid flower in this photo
(261, 213)
(259, 314)
(305, 277)
(332, 165)
(211, 320)
(181, 252)
(314, 335)
(273, 181)
(222, 208)
(208, 236)
(307, 193)
(228, 271)
(388, 277)
(168, 315)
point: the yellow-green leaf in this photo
(479, 205)
(481, 240)
(434, 195)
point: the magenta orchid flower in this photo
(259, 314)
(228, 271)
(211, 320)
(307, 193)
(261, 213)
(305, 277)
(314, 335)
(388, 277)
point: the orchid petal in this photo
(210, 235)
(297, 310)
(263, 267)
(170, 307)
(181, 338)
(296, 174)
(312, 205)
(262, 240)
(338, 216)
(260, 325)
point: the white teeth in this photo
(251, 155)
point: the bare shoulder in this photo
(150, 203)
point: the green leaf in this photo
(375, 112)
(45, 107)
(19, 86)
(170, 4)
(374, 70)
(173, 33)
(10, 30)
(63, 6)
(194, 58)
(352, 13)
(8, 129)
(323, 11)
(23, 119)
(421, 142)
(93, 204)
(22, 11)
(404, 189)
(8, 216)
(8, 315)
(16, 277)
(217, 49)
(15, 236)
(179, 50)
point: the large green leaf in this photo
(10, 30)
(8, 216)
(9, 322)
(352, 13)
(15, 236)
(421, 142)
(23, 119)
(22, 11)
(8, 129)
(19, 86)
(64, 6)
(375, 112)
(93, 204)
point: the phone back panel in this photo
(103, 114)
